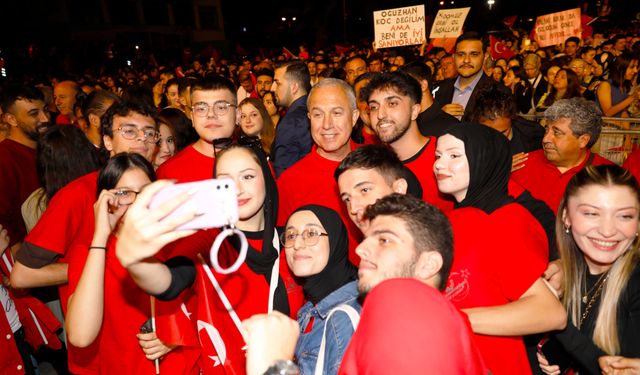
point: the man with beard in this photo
(24, 112)
(458, 94)
(394, 105)
(291, 84)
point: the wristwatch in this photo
(282, 367)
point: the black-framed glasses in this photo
(222, 143)
(131, 132)
(310, 237)
(220, 108)
(126, 196)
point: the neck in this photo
(18, 136)
(410, 143)
(466, 81)
(295, 97)
(560, 93)
(94, 136)
(337, 155)
(204, 147)
(427, 101)
(253, 224)
(573, 162)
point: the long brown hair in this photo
(605, 334)
(268, 132)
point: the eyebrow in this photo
(383, 231)
(305, 226)
(143, 126)
(600, 208)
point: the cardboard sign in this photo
(399, 26)
(448, 23)
(555, 28)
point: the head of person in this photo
(129, 127)
(405, 238)
(264, 81)
(126, 173)
(375, 63)
(550, 73)
(367, 174)
(394, 104)
(421, 73)
(269, 102)
(213, 105)
(619, 44)
(63, 154)
(473, 164)
(567, 80)
(244, 78)
(531, 65)
(497, 73)
(623, 70)
(448, 66)
(588, 54)
(502, 62)
(256, 122)
(496, 109)
(363, 107)
(313, 68)
(513, 76)
(181, 127)
(469, 54)
(95, 106)
(513, 61)
(172, 93)
(572, 127)
(64, 96)
(316, 247)
(571, 46)
(291, 80)
(332, 114)
(23, 110)
(255, 185)
(579, 67)
(354, 67)
(597, 231)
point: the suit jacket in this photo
(444, 94)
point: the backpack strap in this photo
(353, 315)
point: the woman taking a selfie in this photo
(597, 231)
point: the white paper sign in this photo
(448, 23)
(399, 26)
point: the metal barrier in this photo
(619, 137)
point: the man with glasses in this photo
(65, 230)
(213, 113)
(24, 112)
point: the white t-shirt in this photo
(9, 309)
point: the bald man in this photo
(64, 97)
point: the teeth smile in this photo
(604, 243)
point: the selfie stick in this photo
(153, 329)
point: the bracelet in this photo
(98, 247)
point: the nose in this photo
(607, 226)
(43, 116)
(298, 243)
(382, 112)
(327, 121)
(273, 86)
(362, 249)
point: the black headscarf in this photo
(261, 262)
(338, 271)
(489, 158)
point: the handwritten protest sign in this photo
(555, 28)
(448, 23)
(399, 26)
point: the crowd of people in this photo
(400, 214)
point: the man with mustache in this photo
(459, 94)
(24, 112)
(572, 128)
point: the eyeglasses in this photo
(220, 108)
(310, 237)
(126, 196)
(131, 132)
(250, 141)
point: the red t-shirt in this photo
(311, 181)
(187, 166)
(633, 164)
(497, 258)
(66, 227)
(408, 327)
(543, 179)
(18, 178)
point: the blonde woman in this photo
(597, 231)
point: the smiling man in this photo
(572, 128)
(332, 113)
(213, 114)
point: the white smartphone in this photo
(215, 199)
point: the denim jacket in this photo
(339, 331)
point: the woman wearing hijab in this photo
(224, 300)
(500, 250)
(317, 248)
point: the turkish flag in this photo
(509, 21)
(288, 54)
(499, 50)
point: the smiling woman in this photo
(597, 233)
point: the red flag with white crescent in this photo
(499, 49)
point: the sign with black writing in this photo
(555, 28)
(448, 23)
(399, 26)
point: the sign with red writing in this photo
(399, 27)
(555, 28)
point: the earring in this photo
(568, 227)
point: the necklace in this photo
(595, 296)
(595, 286)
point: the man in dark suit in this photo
(458, 95)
